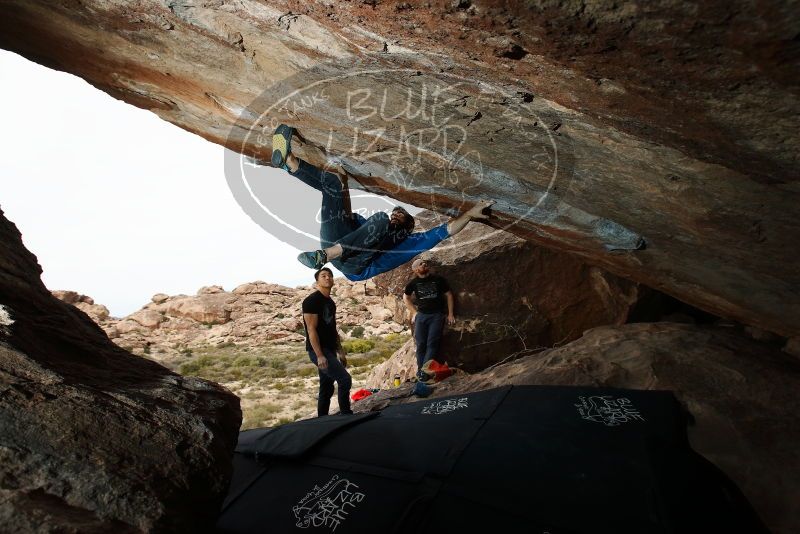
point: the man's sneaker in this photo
(313, 260)
(422, 376)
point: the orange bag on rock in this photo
(440, 371)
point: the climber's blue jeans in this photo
(358, 237)
(428, 328)
(334, 373)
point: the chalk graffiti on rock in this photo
(431, 133)
(328, 505)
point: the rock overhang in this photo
(674, 125)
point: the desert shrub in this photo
(244, 361)
(276, 373)
(358, 331)
(259, 414)
(307, 370)
(195, 366)
(346, 328)
(358, 345)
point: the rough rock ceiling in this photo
(594, 125)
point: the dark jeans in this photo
(334, 373)
(358, 241)
(428, 329)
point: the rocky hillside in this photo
(251, 315)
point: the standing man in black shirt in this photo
(433, 299)
(324, 346)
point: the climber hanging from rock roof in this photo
(360, 248)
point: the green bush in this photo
(358, 331)
(308, 370)
(244, 361)
(194, 366)
(259, 415)
(358, 345)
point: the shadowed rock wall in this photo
(512, 296)
(92, 438)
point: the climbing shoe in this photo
(422, 376)
(313, 260)
(281, 146)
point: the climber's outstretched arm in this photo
(476, 212)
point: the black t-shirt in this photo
(325, 308)
(429, 292)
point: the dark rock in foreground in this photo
(92, 438)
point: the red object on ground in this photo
(360, 394)
(439, 370)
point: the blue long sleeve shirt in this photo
(414, 244)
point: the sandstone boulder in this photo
(403, 363)
(206, 308)
(262, 288)
(594, 126)
(210, 290)
(97, 312)
(147, 318)
(512, 296)
(70, 297)
(95, 439)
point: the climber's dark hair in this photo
(316, 274)
(409, 224)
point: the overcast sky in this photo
(118, 204)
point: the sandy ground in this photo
(296, 400)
